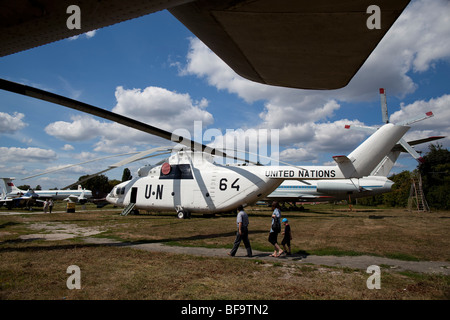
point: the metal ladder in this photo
(128, 209)
(417, 196)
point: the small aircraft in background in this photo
(13, 196)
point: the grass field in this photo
(34, 262)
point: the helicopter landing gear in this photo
(182, 213)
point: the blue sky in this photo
(154, 70)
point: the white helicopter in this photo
(190, 181)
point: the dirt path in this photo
(357, 262)
(59, 231)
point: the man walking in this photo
(242, 233)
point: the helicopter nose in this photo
(110, 199)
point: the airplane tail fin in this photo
(9, 185)
(364, 159)
(385, 166)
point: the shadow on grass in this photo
(119, 243)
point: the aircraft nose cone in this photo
(388, 185)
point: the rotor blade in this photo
(384, 111)
(424, 140)
(240, 159)
(76, 164)
(269, 158)
(105, 114)
(361, 128)
(138, 156)
(134, 158)
(155, 155)
(417, 118)
(87, 178)
(411, 151)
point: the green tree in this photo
(97, 184)
(113, 183)
(435, 177)
(398, 197)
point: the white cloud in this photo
(155, 106)
(68, 147)
(438, 125)
(160, 107)
(73, 93)
(86, 35)
(11, 123)
(26, 154)
(306, 142)
(81, 128)
(281, 114)
(439, 106)
(295, 155)
(90, 34)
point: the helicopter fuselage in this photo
(192, 182)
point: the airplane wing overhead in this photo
(293, 43)
(26, 24)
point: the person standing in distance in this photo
(242, 233)
(275, 229)
(287, 236)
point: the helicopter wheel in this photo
(183, 214)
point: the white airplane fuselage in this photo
(330, 190)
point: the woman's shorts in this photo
(273, 237)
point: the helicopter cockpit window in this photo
(119, 191)
(178, 171)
